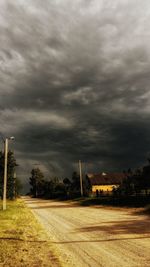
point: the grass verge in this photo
(23, 241)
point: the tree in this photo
(66, 181)
(18, 187)
(75, 185)
(135, 182)
(37, 182)
(87, 187)
(11, 186)
(145, 179)
(48, 188)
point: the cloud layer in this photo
(75, 83)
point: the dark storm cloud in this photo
(75, 82)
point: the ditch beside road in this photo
(23, 241)
(94, 236)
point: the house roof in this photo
(106, 178)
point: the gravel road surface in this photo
(95, 236)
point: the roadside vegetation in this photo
(13, 183)
(134, 191)
(23, 241)
(51, 188)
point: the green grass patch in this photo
(23, 242)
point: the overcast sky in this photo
(75, 83)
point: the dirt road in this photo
(95, 236)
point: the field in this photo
(23, 242)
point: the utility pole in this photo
(81, 180)
(5, 172)
(5, 169)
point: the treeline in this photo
(55, 187)
(13, 183)
(137, 182)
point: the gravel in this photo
(95, 236)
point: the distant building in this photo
(103, 183)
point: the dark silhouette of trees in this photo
(87, 187)
(75, 183)
(37, 182)
(12, 182)
(67, 185)
(67, 182)
(55, 187)
(136, 182)
(48, 189)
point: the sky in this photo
(74, 84)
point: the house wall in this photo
(105, 188)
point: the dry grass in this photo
(23, 242)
